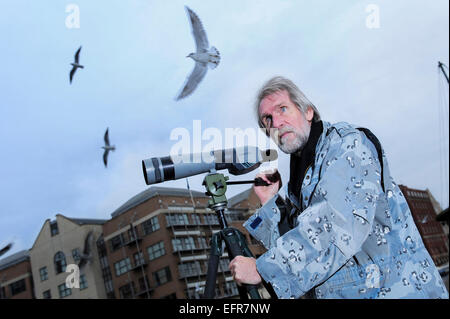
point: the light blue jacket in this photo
(352, 239)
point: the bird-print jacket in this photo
(355, 236)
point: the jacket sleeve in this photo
(335, 224)
(263, 225)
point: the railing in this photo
(132, 241)
(139, 265)
(191, 273)
(190, 248)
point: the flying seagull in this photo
(204, 57)
(5, 249)
(107, 148)
(87, 252)
(76, 64)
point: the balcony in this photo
(190, 248)
(194, 273)
(132, 241)
(142, 293)
(140, 265)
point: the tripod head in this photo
(216, 187)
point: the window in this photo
(127, 291)
(143, 284)
(122, 266)
(64, 291)
(107, 279)
(177, 219)
(43, 273)
(76, 255)
(83, 282)
(101, 247)
(230, 289)
(151, 225)
(185, 243)
(47, 295)
(60, 262)
(195, 219)
(138, 258)
(189, 269)
(17, 287)
(156, 250)
(162, 276)
(104, 262)
(211, 219)
(202, 242)
(54, 228)
(133, 234)
(117, 242)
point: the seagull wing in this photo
(77, 55)
(193, 80)
(201, 40)
(105, 157)
(5, 249)
(88, 243)
(106, 137)
(87, 252)
(72, 72)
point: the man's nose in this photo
(277, 121)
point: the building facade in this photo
(158, 245)
(16, 279)
(424, 215)
(64, 246)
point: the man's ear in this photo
(309, 114)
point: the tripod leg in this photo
(213, 263)
(237, 246)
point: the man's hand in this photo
(244, 270)
(265, 193)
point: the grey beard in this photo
(296, 146)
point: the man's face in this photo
(288, 126)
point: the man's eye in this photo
(283, 108)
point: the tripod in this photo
(235, 243)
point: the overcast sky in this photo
(383, 77)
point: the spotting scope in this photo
(238, 161)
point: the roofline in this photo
(17, 260)
(157, 193)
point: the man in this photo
(343, 229)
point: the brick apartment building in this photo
(16, 280)
(158, 245)
(422, 207)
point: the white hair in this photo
(280, 83)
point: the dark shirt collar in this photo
(309, 150)
(299, 164)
